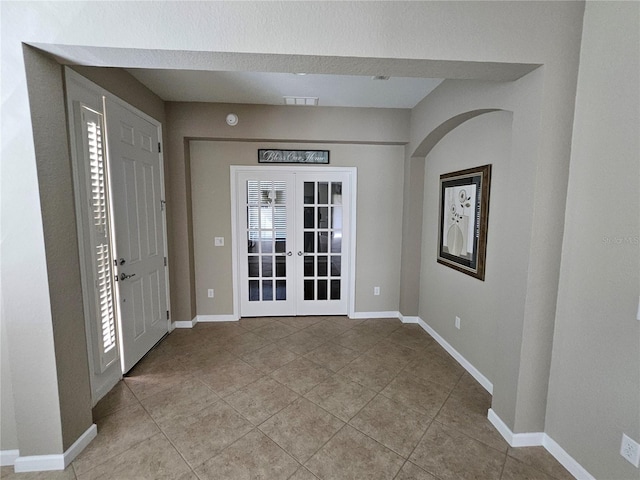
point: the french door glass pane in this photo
(335, 289)
(281, 289)
(267, 290)
(308, 217)
(308, 266)
(254, 269)
(267, 266)
(308, 290)
(281, 266)
(323, 243)
(254, 290)
(322, 266)
(336, 242)
(323, 193)
(281, 241)
(323, 217)
(335, 265)
(309, 245)
(309, 189)
(322, 289)
(336, 217)
(336, 193)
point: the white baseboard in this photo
(515, 439)
(539, 439)
(185, 323)
(41, 463)
(408, 319)
(365, 315)
(475, 373)
(566, 460)
(216, 318)
(8, 457)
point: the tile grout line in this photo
(171, 442)
(431, 423)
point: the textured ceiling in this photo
(270, 88)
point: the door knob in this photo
(124, 276)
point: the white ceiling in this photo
(270, 88)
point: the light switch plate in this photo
(219, 241)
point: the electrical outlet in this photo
(458, 323)
(630, 450)
(376, 290)
(210, 293)
(218, 241)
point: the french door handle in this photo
(300, 254)
(288, 254)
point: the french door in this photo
(294, 248)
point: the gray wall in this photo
(264, 123)
(72, 410)
(446, 293)
(446, 107)
(46, 99)
(594, 388)
(379, 216)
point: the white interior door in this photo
(135, 165)
(322, 240)
(294, 250)
(266, 243)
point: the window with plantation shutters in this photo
(94, 150)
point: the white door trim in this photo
(353, 176)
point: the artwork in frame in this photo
(464, 217)
(315, 157)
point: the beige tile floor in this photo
(300, 398)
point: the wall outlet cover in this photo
(218, 241)
(210, 293)
(458, 323)
(630, 450)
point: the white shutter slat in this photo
(92, 129)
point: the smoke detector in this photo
(232, 119)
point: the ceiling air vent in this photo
(380, 77)
(308, 101)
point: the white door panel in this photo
(322, 230)
(136, 184)
(266, 243)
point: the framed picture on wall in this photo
(464, 217)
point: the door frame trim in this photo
(73, 81)
(353, 179)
